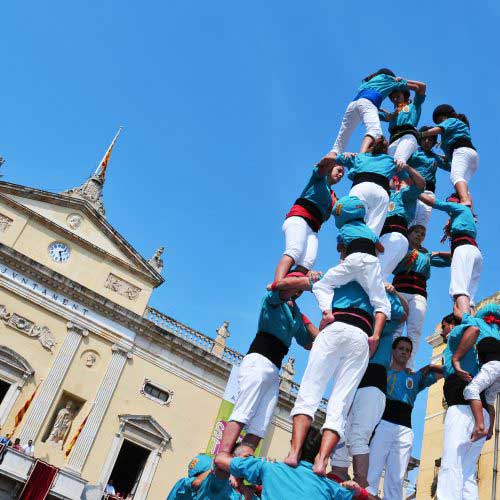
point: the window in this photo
(156, 392)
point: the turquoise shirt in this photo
(404, 387)
(462, 220)
(384, 85)
(352, 295)
(409, 114)
(282, 482)
(469, 362)
(381, 164)
(422, 263)
(426, 164)
(318, 191)
(284, 322)
(214, 488)
(182, 489)
(485, 330)
(453, 129)
(404, 202)
(353, 231)
(383, 354)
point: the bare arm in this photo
(427, 199)
(199, 479)
(417, 87)
(325, 168)
(292, 283)
(431, 132)
(469, 338)
(417, 179)
(405, 305)
(313, 330)
(223, 461)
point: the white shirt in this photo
(110, 489)
(29, 450)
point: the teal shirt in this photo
(352, 295)
(426, 164)
(282, 482)
(318, 191)
(409, 114)
(469, 362)
(452, 129)
(284, 322)
(421, 264)
(353, 231)
(383, 354)
(384, 85)
(462, 220)
(182, 489)
(485, 330)
(404, 202)
(381, 164)
(404, 387)
(214, 488)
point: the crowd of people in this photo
(27, 448)
(379, 285)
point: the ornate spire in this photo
(156, 260)
(91, 189)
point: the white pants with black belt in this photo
(395, 249)
(339, 352)
(457, 474)
(301, 242)
(390, 448)
(423, 211)
(365, 413)
(376, 202)
(258, 389)
(361, 110)
(403, 148)
(466, 267)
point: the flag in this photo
(101, 169)
(75, 437)
(20, 414)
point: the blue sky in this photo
(226, 107)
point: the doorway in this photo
(4, 387)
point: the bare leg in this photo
(463, 193)
(341, 472)
(360, 464)
(366, 143)
(462, 302)
(479, 430)
(249, 444)
(301, 426)
(329, 440)
(231, 433)
(284, 266)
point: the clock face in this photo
(59, 252)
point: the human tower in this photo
(359, 346)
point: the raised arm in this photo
(417, 179)
(417, 87)
(405, 305)
(467, 341)
(427, 199)
(431, 132)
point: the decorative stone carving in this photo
(122, 287)
(5, 222)
(74, 221)
(89, 358)
(28, 327)
(91, 191)
(62, 424)
(223, 333)
(288, 369)
(156, 260)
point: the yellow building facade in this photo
(108, 384)
(432, 442)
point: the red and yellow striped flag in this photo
(75, 437)
(22, 411)
(101, 169)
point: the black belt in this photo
(355, 316)
(397, 412)
(270, 347)
(461, 142)
(395, 224)
(375, 376)
(313, 210)
(361, 245)
(379, 179)
(459, 239)
(430, 186)
(400, 130)
(411, 282)
(488, 349)
(453, 391)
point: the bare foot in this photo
(320, 465)
(292, 459)
(478, 432)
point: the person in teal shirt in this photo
(186, 487)
(391, 445)
(304, 220)
(403, 121)
(467, 260)
(457, 145)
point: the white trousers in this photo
(423, 211)
(301, 242)
(390, 447)
(258, 388)
(464, 164)
(360, 267)
(396, 247)
(487, 379)
(457, 475)
(376, 202)
(417, 307)
(403, 148)
(365, 413)
(360, 110)
(466, 267)
(340, 351)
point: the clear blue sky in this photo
(226, 106)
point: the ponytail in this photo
(381, 71)
(462, 118)
(379, 146)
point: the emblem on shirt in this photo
(338, 209)
(192, 464)
(406, 109)
(409, 383)
(391, 206)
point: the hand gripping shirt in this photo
(379, 87)
(403, 203)
(461, 217)
(282, 482)
(453, 129)
(408, 114)
(469, 362)
(426, 164)
(361, 163)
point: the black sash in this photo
(362, 245)
(375, 376)
(461, 142)
(379, 179)
(270, 347)
(355, 317)
(488, 349)
(400, 130)
(395, 224)
(397, 412)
